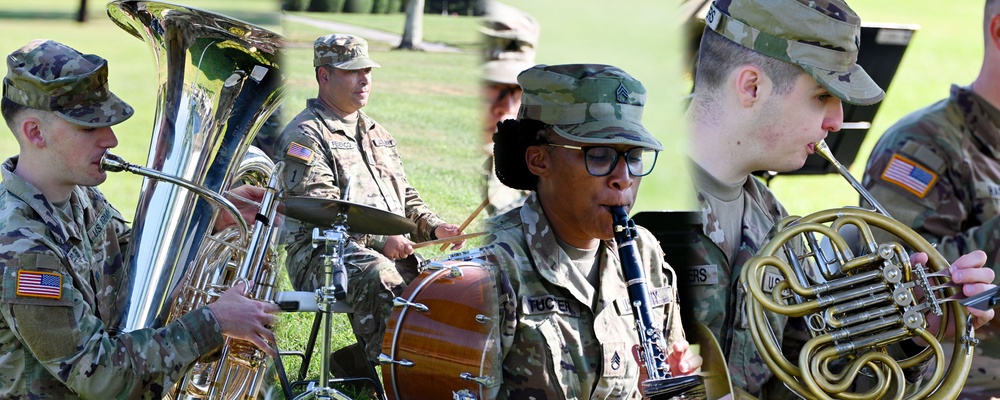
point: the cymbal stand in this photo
(334, 289)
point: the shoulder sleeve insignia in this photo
(39, 284)
(909, 175)
(300, 152)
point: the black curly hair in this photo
(510, 142)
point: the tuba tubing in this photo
(857, 310)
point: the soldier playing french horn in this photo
(64, 287)
(769, 84)
(579, 145)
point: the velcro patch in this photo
(909, 175)
(384, 142)
(548, 304)
(657, 298)
(342, 144)
(46, 285)
(614, 359)
(770, 280)
(702, 275)
(300, 152)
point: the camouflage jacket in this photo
(561, 337)
(712, 280)
(322, 154)
(937, 170)
(63, 296)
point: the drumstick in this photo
(447, 240)
(469, 220)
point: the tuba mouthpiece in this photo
(113, 163)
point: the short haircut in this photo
(718, 56)
(9, 109)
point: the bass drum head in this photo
(445, 341)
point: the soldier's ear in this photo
(746, 81)
(31, 130)
(993, 35)
(538, 160)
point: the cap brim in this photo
(109, 112)
(609, 132)
(854, 86)
(359, 63)
(504, 71)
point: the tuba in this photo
(218, 82)
(859, 304)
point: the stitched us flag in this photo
(39, 284)
(299, 151)
(909, 175)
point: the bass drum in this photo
(443, 337)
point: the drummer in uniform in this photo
(333, 150)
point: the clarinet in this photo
(651, 339)
(654, 354)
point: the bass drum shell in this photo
(456, 339)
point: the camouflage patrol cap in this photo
(821, 36)
(342, 51)
(587, 103)
(510, 41)
(48, 75)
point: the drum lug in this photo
(456, 272)
(484, 381)
(401, 302)
(482, 319)
(385, 359)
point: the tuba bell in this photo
(859, 303)
(218, 82)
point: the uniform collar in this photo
(335, 122)
(33, 197)
(974, 108)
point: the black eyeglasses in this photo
(601, 160)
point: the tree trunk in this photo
(82, 15)
(413, 32)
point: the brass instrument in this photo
(218, 82)
(856, 306)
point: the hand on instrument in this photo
(968, 271)
(448, 230)
(682, 360)
(397, 247)
(247, 210)
(243, 318)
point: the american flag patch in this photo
(299, 151)
(909, 175)
(39, 284)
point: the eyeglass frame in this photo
(619, 154)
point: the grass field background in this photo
(429, 101)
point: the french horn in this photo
(858, 308)
(218, 82)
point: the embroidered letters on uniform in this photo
(657, 298)
(548, 304)
(909, 175)
(703, 275)
(770, 280)
(39, 284)
(384, 142)
(342, 144)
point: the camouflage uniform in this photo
(64, 340)
(510, 39)
(582, 346)
(322, 154)
(564, 335)
(712, 279)
(938, 171)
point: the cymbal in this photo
(360, 218)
